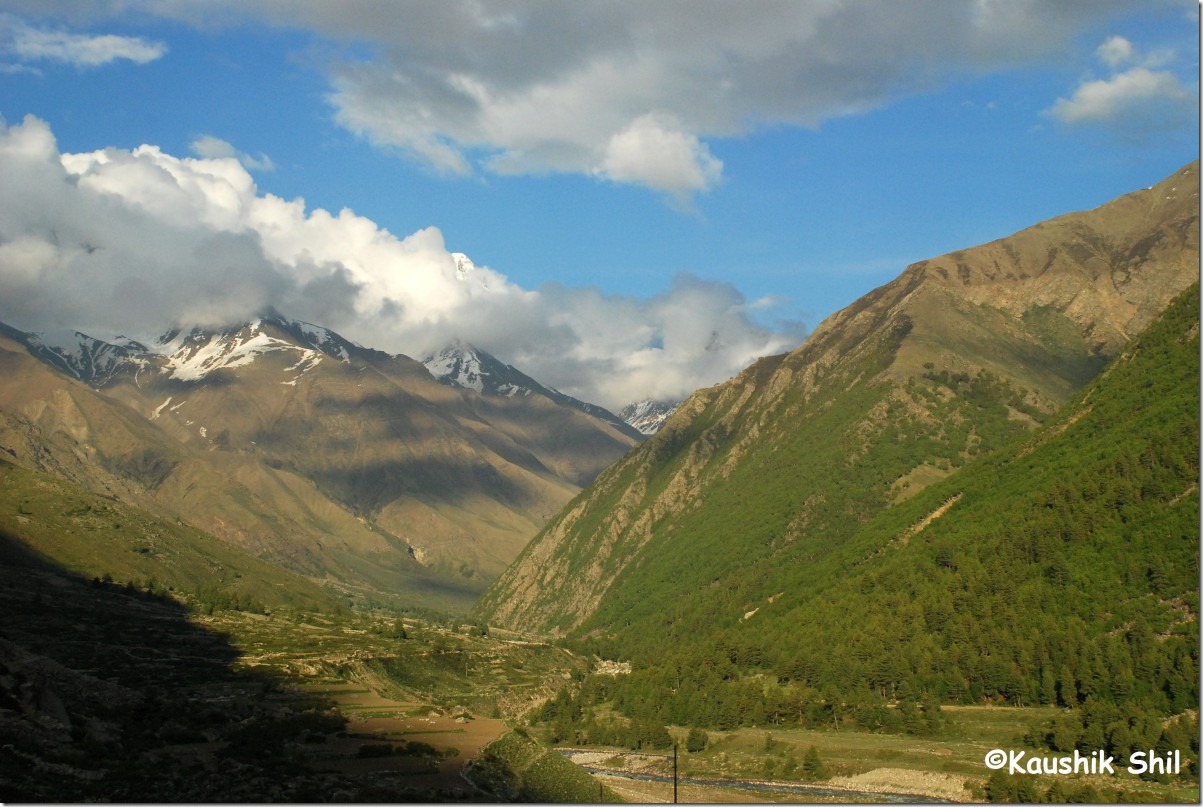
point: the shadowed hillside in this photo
(164, 666)
(110, 693)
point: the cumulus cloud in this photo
(1135, 94)
(655, 152)
(135, 242)
(31, 44)
(1133, 101)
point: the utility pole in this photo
(674, 773)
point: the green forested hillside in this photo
(767, 501)
(1062, 569)
(756, 480)
(764, 468)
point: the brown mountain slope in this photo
(352, 466)
(956, 355)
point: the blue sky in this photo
(652, 194)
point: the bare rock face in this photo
(1037, 314)
(1109, 270)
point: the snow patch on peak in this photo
(325, 340)
(463, 265)
(309, 359)
(647, 417)
(512, 390)
(466, 272)
(458, 364)
(192, 356)
(466, 367)
(462, 365)
(93, 361)
(195, 356)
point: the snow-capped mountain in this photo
(192, 355)
(189, 355)
(330, 458)
(647, 417)
(465, 366)
(462, 365)
(93, 361)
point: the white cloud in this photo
(654, 152)
(28, 43)
(1116, 51)
(1133, 102)
(214, 148)
(1126, 98)
(373, 104)
(135, 242)
(643, 93)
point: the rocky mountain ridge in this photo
(290, 441)
(892, 393)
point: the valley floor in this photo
(376, 722)
(113, 693)
(760, 764)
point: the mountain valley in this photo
(978, 484)
(957, 356)
(275, 565)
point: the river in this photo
(815, 790)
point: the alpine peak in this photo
(460, 364)
(648, 416)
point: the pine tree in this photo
(813, 768)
